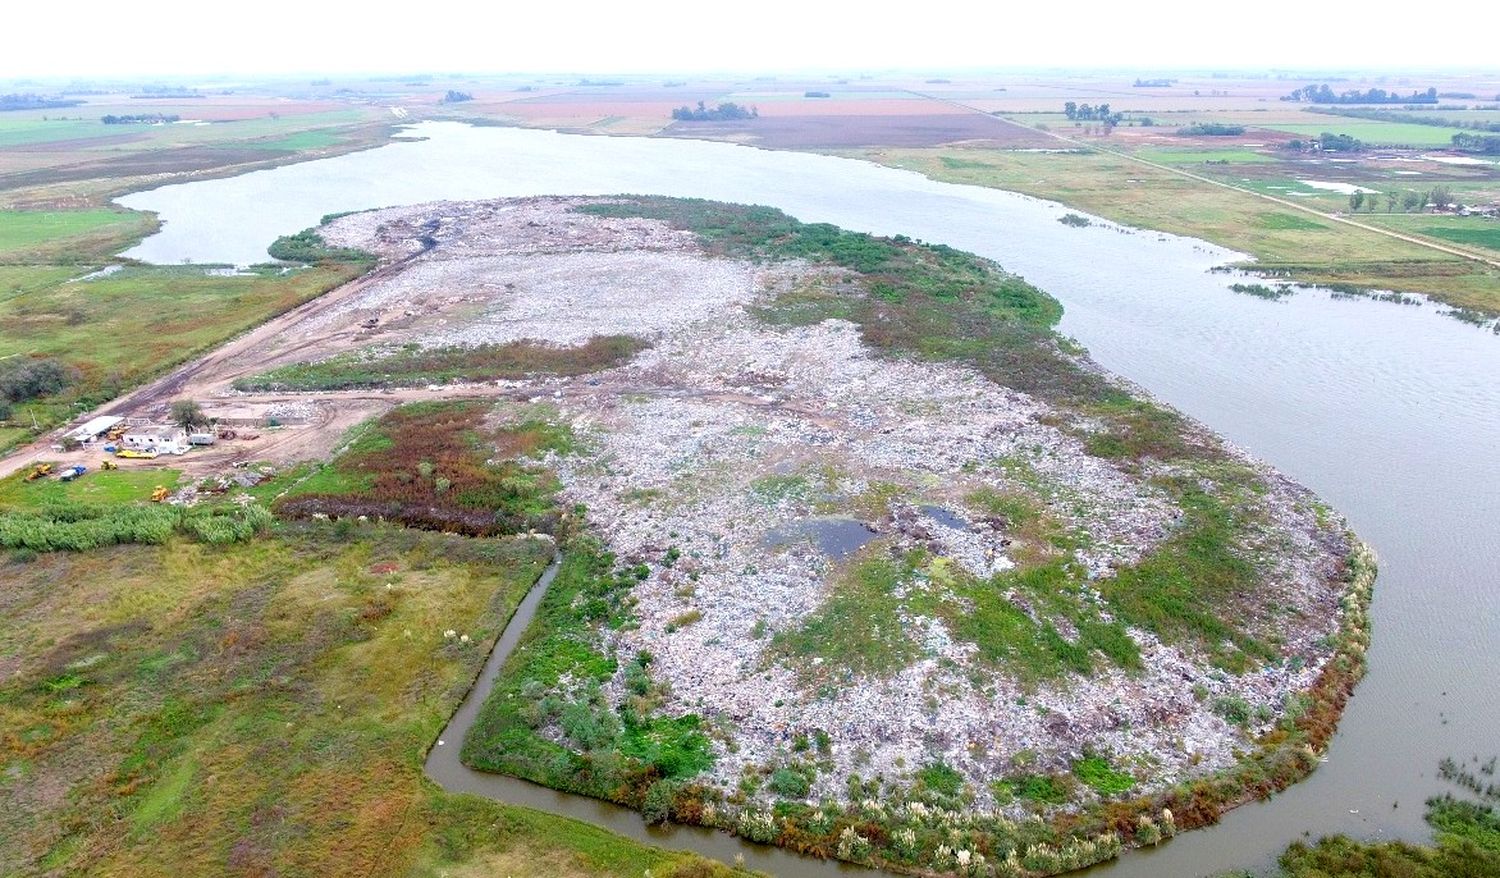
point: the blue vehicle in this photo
(72, 472)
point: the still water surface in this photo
(1390, 412)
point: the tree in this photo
(1070, 109)
(187, 414)
(1356, 199)
(1442, 197)
(1390, 202)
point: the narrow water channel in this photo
(1391, 413)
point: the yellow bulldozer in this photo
(108, 465)
(159, 493)
(41, 470)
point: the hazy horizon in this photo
(285, 39)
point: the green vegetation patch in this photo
(76, 527)
(94, 488)
(1201, 156)
(1096, 772)
(858, 630)
(552, 680)
(1487, 236)
(66, 235)
(436, 465)
(1196, 586)
(415, 365)
(1278, 220)
(1466, 842)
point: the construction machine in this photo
(159, 493)
(39, 471)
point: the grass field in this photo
(264, 708)
(1371, 132)
(67, 235)
(1473, 231)
(1307, 248)
(1200, 156)
(94, 487)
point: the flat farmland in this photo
(1370, 131)
(846, 131)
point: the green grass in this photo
(296, 142)
(1487, 237)
(1200, 156)
(1096, 772)
(437, 465)
(1371, 132)
(1297, 222)
(24, 230)
(95, 487)
(858, 629)
(1195, 586)
(31, 129)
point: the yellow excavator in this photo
(41, 470)
(108, 465)
(159, 493)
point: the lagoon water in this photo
(1390, 412)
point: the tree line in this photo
(725, 112)
(1322, 94)
(138, 118)
(1484, 144)
(1420, 118)
(1411, 200)
(34, 102)
(1089, 113)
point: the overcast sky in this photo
(173, 37)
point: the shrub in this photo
(656, 807)
(791, 783)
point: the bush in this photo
(656, 807)
(26, 378)
(790, 783)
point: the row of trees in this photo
(138, 119)
(1423, 117)
(1089, 113)
(1322, 94)
(1212, 129)
(725, 112)
(1328, 142)
(34, 102)
(1409, 201)
(457, 97)
(1484, 144)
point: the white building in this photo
(162, 440)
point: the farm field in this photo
(1371, 132)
